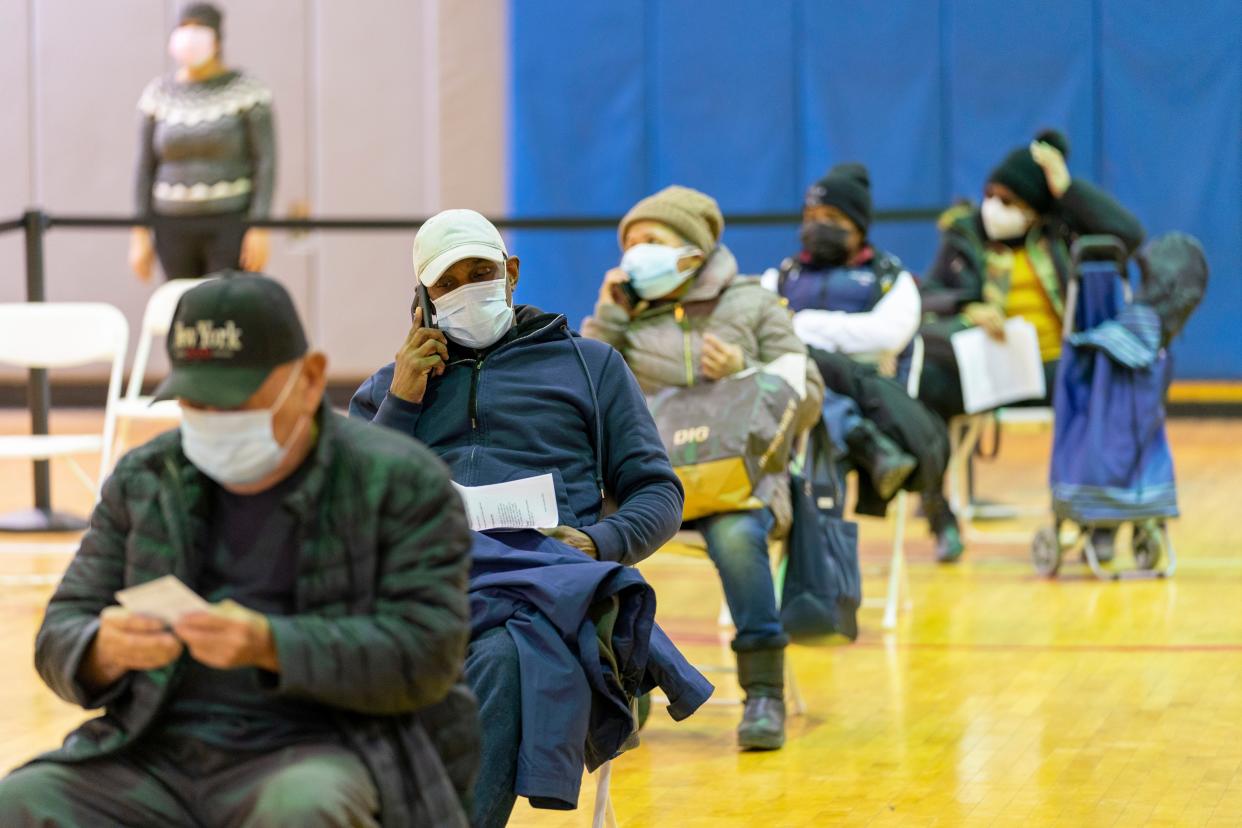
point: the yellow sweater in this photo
(1028, 300)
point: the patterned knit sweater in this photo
(206, 147)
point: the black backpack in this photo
(1175, 276)
(823, 584)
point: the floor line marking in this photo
(695, 638)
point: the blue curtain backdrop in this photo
(750, 101)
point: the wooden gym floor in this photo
(1002, 699)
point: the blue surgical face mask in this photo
(652, 268)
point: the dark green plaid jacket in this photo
(382, 621)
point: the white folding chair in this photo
(156, 320)
(898, 594)
(602, 815)
(965, 432)
(63, 335)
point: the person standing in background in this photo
(206, 159)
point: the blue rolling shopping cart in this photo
(1111, 462)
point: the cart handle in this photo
(1096, 248)
(1099, 248)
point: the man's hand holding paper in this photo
(227, 635)
(126, 641)
(529, 503)
(160, 618)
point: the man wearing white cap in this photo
(503, 393)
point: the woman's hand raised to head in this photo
(1056, 172)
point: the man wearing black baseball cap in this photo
(317, 687)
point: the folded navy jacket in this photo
(587, 644)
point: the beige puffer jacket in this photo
(664, 345)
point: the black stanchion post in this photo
(39, 393)
(39, 398)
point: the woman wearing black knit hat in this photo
(1010, 257)
(206, 159)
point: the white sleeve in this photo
(771, 280)
(886, 328)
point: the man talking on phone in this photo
(503, 393)
(318, 686)
(500, 391)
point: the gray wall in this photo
(383, 108)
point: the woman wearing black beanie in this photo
(1010, 257)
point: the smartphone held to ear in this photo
(624, 295)
(423, 302)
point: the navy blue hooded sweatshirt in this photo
(539, 401)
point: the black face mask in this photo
(825, 244)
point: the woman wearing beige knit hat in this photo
(680, 314)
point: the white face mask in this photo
(235, 448)
(476, 315)
(652, 268)
(1003, 221)
(192, 46)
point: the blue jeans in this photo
(493, 673)
(841, 415)
(737, 543)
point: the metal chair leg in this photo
(897, 566)
(793, 693)
(604, 816)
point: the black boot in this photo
(762, 676)
(943, 524)
(882, 459)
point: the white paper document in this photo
(165, 598)
(996, 373)
(529, 503)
